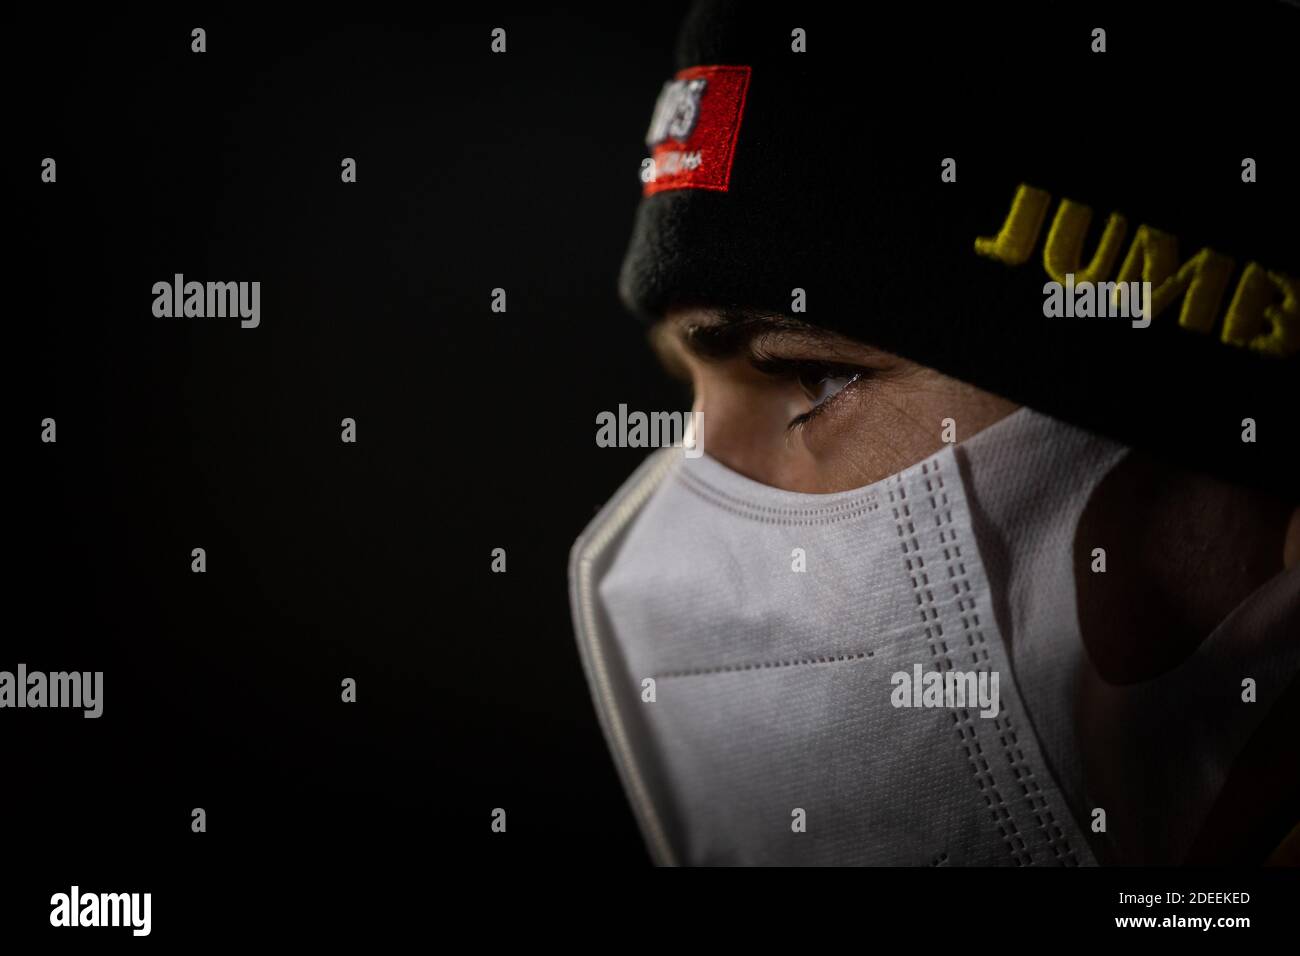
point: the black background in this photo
(325, 560)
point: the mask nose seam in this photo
(844, 511)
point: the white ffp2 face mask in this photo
(756, 711)
(773, 735)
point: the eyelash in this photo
(800, 371)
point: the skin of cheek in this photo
(888, 422)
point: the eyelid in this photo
(815, 346)
(779, 367)
(672, 345)
(792, 369)
(857, 380)
(817, 394)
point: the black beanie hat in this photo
(859, 159)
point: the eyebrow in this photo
(736, 329)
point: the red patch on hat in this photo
(692, 135)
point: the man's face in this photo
(796, 407)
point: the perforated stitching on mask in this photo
(766, 665)
(1015, 758)
(964, 725)
(1011, 751)
(1035, 795)
(989, 790)
(844, 511)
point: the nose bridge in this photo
(744, 427)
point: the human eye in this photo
(822, 383)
